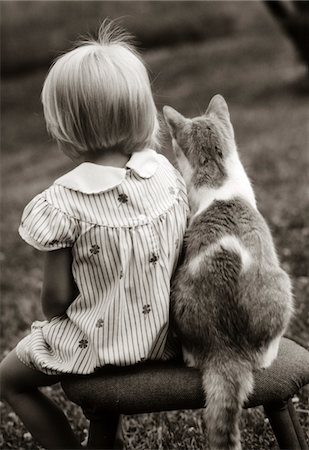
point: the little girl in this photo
(111, 228)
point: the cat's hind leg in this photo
(270, 354)
(188, 358)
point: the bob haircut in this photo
(98, 97)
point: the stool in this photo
(155, 386)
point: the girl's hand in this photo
(59, 288)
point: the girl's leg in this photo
(45, 421)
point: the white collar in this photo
(91, 178)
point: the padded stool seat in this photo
(161, 386)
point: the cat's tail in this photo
(227, 383)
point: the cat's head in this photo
(203, 145)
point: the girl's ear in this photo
(218, 106)
(174, 119)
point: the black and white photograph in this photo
(154, 225)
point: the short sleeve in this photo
(182, 189)
(46, 227)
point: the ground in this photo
(266, 88)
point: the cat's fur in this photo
(231, 302)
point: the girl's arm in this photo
(59, 289)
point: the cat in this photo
(230, 301)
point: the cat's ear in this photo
(218, 106)
(174, 119)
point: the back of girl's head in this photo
(98, 97)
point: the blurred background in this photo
(256, 55)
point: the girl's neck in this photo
(112, 158)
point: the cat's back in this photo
(232, 277)
(236, 224)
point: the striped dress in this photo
(125, 227)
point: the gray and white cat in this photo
(231, 302)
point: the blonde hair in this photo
(98, 96)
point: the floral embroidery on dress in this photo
(121, 274)
(99, 323)
(154, 258)
(171, 190)
(95, 249)
(146, 309)
(83, 343)
(123, 198)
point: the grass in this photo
(263, 83)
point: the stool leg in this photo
(102, 431)
(298, 429)
(119, 443)
(283, 420)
